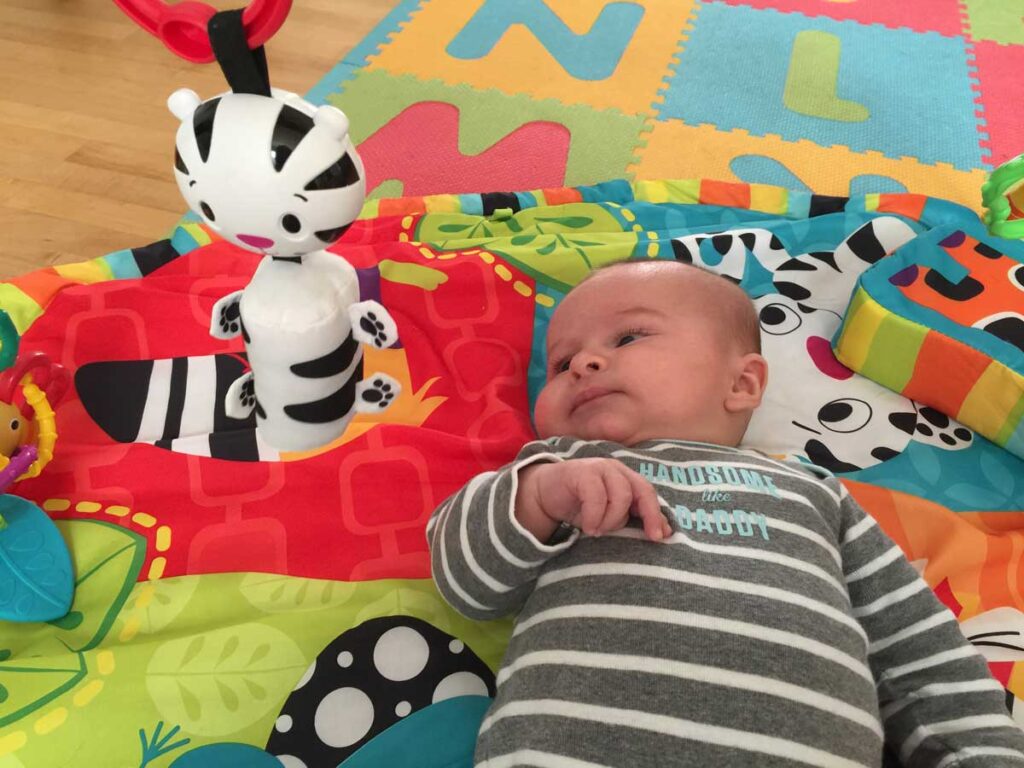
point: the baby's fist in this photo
(595, 495)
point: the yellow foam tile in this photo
(677, 150)
(520, 63)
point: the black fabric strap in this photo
(245, 70)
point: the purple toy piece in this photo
(20, 462)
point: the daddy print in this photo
(736, 522)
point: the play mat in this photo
(229, 595)
(239, 606)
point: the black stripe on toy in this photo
(824, 204)
(176, 398)
(228, 369)
(239, 445)
(149, 258)
(682, 252)
(330, 408)
(865, 244)
(493, 201)
(330, 235)
(289, 130)
(114, 394)
(330, 364)
(202, 125)
(340, 174)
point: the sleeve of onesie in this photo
(483, 561)
(940, 706)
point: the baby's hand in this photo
(595, 495)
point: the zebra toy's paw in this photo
(226, 318)
(376, 393)
(240, 399)
(372, 325)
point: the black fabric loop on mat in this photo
(244, 69)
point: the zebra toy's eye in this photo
(291, 223)
(207, 211)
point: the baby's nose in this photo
(585, 363)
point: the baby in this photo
(684, 602)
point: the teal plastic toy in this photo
(36, 576)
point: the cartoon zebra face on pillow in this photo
(273, 175)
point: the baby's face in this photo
(632, 357)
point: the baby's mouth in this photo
(589, 395)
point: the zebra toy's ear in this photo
(332, 120)
(183, 103)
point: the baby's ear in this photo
(749, 382)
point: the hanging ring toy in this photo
(183, 27)
(39, 382)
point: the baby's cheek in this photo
(546, 415)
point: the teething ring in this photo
(182, 27)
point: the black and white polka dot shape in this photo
(936, 428)
(365, 681)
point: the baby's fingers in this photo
(620, 497)
(647, 507)
(593, 499)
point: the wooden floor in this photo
(86, 141)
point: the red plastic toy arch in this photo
(182, 27)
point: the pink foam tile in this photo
(999, 74)
(942, 16)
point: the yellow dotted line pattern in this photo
(56, 717)
(141, 519)
(500, 270)
(652, 247)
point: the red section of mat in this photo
(357, 511)
(942, 16)
(420, 148)
(1000, 68)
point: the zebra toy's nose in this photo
(256, 241)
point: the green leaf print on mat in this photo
(556, 250)
(106, 559)
(153, 605)
(219, 682)
(39, 662)
(283, 594)
(27, 685)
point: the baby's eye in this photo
(629, 337)
(561, 366)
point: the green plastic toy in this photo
(1003, 198)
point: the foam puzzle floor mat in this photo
(836, 97)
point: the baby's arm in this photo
(490, 540)
(940, 705)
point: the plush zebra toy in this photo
(272, 173)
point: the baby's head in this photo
(647, 350)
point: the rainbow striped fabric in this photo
(940, 322)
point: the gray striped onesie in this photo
(778, 626)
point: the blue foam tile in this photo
(915, 87)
